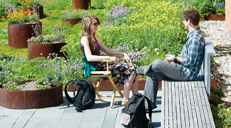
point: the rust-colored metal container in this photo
(18, 35)
(81, 4)
(35, 49)
(28, 99)
(215, 17)
(71, 21)
(39, 10)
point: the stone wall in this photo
(228, 14)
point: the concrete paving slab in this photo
(62, 116)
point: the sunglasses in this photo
(95, 24)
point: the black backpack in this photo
(85, 97)
(134, 113)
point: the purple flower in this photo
(41, 65)
(56, 55)
(8, 59)
(41, 54)
(144, 48)
(64, 62)
(45, 65)
(2, 67)
(12, 59)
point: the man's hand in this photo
(169, 58)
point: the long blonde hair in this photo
(86, 31)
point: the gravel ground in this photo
(220, 38)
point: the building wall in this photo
(228, 14)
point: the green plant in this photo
(75, 14)
(219, 7)
(30, 3)
(225, 115)
(16, 16)
(10, 86)
(57, 35)
(19, 79)
(51, 79)
(216, 99)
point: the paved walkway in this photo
(62, 116)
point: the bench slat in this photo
(185, 105)
(186, 112)
(174, 105)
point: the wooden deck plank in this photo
(182, 105)
(187, 86)
(201, 104)
(207, 109)
(177, 105)
(174, 105)
(166, 104)
(193, 105)
(170, 104)
(163, 104)
(186, 113)
(195, 96)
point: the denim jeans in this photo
(160, 70)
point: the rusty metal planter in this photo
(215, 17)
(28, 99)
(40, 11)
(18, 34)
(71, 21)
(80, 4)
(35, 49)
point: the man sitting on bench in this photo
(183, 67)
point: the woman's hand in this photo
(114, 59)
(127, 58)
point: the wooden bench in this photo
(185, 103)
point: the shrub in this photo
(152, 24)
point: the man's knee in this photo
(157, 62)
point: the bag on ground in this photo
(85, 97)
(134, 113)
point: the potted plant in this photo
(81, 4)
(31, 6)
(43, 45)
(74, 16)
(16, 94)
(19, 26)
(217, 11)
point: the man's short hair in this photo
(191, 15)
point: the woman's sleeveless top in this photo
(97, 47)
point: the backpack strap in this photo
(81, 90)
(66, 94)
(149, 109)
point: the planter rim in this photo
(33, 90)
(72, 18)
(48, 43)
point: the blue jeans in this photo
(159, 70)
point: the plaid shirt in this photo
(192, 54)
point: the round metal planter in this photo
(35, 49)
(71, 21)
(215, 17)
(39, 10)
(28, 99)
(18, 35)
(80, 4)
